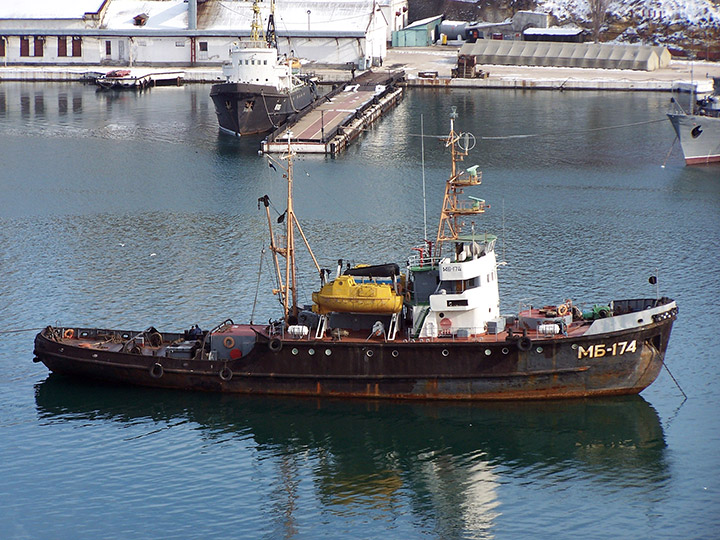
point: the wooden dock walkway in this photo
(338, 118)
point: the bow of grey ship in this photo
(260, 91)
(698, 129)
(433, 330)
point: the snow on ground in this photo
(694, 12)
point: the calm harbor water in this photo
(130, 209)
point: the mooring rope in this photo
(531, 135)
(675, 380)
(20, 330)
(257, 287)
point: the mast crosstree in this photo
(456, 208)
(287, 284)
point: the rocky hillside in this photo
(688, 27)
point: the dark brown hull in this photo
(559, 367)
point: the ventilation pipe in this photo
(192, 14)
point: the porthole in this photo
(295, 351)
(574, 346)
(445, 352)
(539, 350)
(311, 352)
(395, 354)
(369, 353)
(328, 352)
(488, 352)
(505, 350)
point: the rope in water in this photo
(530, 135)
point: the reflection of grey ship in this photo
(699, 129)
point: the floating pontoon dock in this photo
(340, 117)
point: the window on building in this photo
(24, 46)
(108, 48)
(62, 46)
(39, 42)
(203, 46)
(2, 46)
(76, 46)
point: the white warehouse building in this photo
(191, 32)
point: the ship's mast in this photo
(454, 208)
(287, 290)
(256, 31)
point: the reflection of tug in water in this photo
(261, 91)
(432, 332)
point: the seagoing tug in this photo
(431, 331)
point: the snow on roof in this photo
(422, 22)
(48, 9)
(162, 14)
(349, 17)
(553, 30)
(291, 16)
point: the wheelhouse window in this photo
(108, 48)
(24, 46)
(460, 286)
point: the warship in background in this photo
(699, 129)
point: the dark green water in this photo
(125, 210)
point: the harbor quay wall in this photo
(430, 67)
(544, 84)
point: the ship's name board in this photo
(601, 349)
(452, 268)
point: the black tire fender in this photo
(275, 345)
(156, 371)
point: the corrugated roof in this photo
(588, 55)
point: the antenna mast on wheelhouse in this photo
(454, 208)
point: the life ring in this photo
(524, 343)
(69, 333)
(229, 342)
(226, 373)
(156, 371)
(275, 345)
(562, 310)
